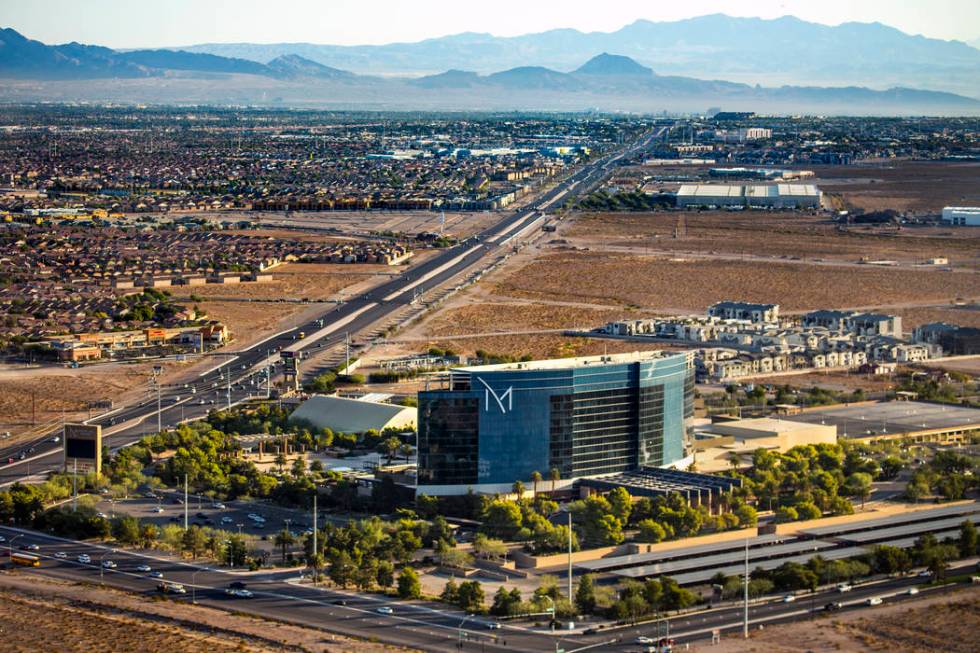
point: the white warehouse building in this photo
(775, 196)
(966, 216)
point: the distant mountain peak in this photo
(613, 64)
(293, 65)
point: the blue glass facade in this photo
(583, 417)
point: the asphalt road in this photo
(237, 376)
(427, 626)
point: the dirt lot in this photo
(947, 622)
(53, 392)
(903, 185)
(41, 614)
(663, 284)
(765, 233)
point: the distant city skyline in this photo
(126, 24)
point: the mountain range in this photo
(780, 51)
(31, 70)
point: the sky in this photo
(162, 23)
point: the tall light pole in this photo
(571, 598)
(745, 602)
(316, 571)
(194, 586)
(157, 371)
(185, 502)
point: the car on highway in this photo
(844, 587)
(171, 588)
(340, 602)
(643, 639)
(218, 506)
(84, 559)
(144, 569)
(108, 564)
(831, 607)
(156, 574)
(912, 591)
(30, 547)
(874, 600)
(493, 625)
(158, 509)
(924, 574)
(384, 610)
(789, 598)
(61, 555)
(2, 539)
(239, 594)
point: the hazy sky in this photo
(150, 23)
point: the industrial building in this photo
(718, 444)
(487, 426)
(343, 415)
(772, 196)
(963, 216)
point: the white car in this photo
(913, 591)
(642, 639)
(218, 506)
(144, 569)
(384, 610)
(874, 600)
(789, 598)
(156, 574)
(844, 587)
(158, 509)
(84, 559)
(108, 564)
(60, 555)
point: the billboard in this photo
(83, 447)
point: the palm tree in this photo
(535, 478)
(284, 539)
(554, 475)
(518, 489)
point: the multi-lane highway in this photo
(427, 626)
(238, 375)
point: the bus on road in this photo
(25, 559)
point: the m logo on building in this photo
(507, 395)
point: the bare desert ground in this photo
(664, 284)
(903, 185)
(771, 234)
(945, 622)
(39, 614)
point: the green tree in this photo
(585, 599)
(385, 576)
(747, 515)
(535, 479)
(126, 530)
(194, 540)
(409, 585)
(450, 592)
(284, 539)
(621, 504)
(651, 531)
(389, 447)
(470, 596)
(968, 539)
(858, 484)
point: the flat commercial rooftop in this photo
(893, 418)
(579, 361)
(654, 481)
(881, 535)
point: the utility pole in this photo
(745, 601)
(347, 350)
(228, 390)
(74, 486)
(571, 598)
(185, 502)
(315, 570)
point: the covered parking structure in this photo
(698, 489)
(916, 421)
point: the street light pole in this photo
(194, 586)
(745, 604)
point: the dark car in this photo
(340, 602)
(830, 607)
